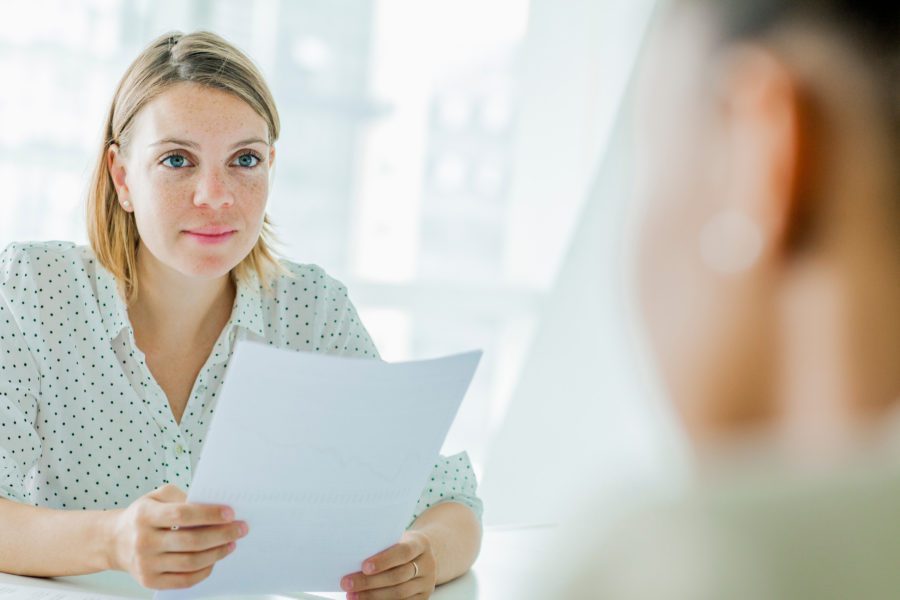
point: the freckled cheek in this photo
(252, 194)
(168, 191)
(159, 205)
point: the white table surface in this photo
(504, 554)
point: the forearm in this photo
(455, 535)
(52, 543)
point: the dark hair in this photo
(872, 27)
(875, 24)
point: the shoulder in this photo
(309, 280)
(21, 261)
(53, 271)
(42, 282)
(307, 309)
(690, 553)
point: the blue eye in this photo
(248, 160)
(175, 161)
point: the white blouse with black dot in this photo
(83, 423)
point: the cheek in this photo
(676, 291)
(668, 222)
(166, 191)
(254, 195)
(703, 327)
(158, 201)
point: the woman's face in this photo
(195, 173)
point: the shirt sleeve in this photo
(20, 445)
(340, 329)
(452, 480)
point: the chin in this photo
(212, 267)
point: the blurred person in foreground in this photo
(769, 280)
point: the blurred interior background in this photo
(461, 166)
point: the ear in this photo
(271, 157)
(764, 124)
(116, 165)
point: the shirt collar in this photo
(247, 311)
(111, 302)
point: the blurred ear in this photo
(116, 165)
(765, 139)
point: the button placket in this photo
(159, 403)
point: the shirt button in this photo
(179, 449)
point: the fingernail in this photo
(231, 546)
(347, 584)
(352, 596)
(243, 529)
(228, 514)
(369, 568)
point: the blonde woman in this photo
(112, 355)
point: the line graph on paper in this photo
(335, 458)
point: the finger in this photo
(358, 582)
(406, 590)
(190, 562)
(168, 493)
(394, 556)
(187, 514)
(170, 581)
(197, 539)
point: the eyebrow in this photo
(196, 146)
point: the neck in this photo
(178, 309)
(840, 341)
(839, 297)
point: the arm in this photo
(454, 534)
(139, 539)
(39, 541)
(34, 541)
(441, 545)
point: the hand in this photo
(165, 542)
(405, 570)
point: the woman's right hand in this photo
(144, 543)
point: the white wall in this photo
(584, 413)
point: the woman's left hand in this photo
(405, 570)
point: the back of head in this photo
(869, 28)
(771, 132)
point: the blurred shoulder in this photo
(776, 535)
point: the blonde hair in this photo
(200, 57)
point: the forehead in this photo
(200, 113)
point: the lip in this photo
(210, 235)
(210, 230)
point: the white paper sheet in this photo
(324, 457)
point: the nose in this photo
(212, 190)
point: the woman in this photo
(113, 355)
(769, 272)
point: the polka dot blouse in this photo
(83, 423)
